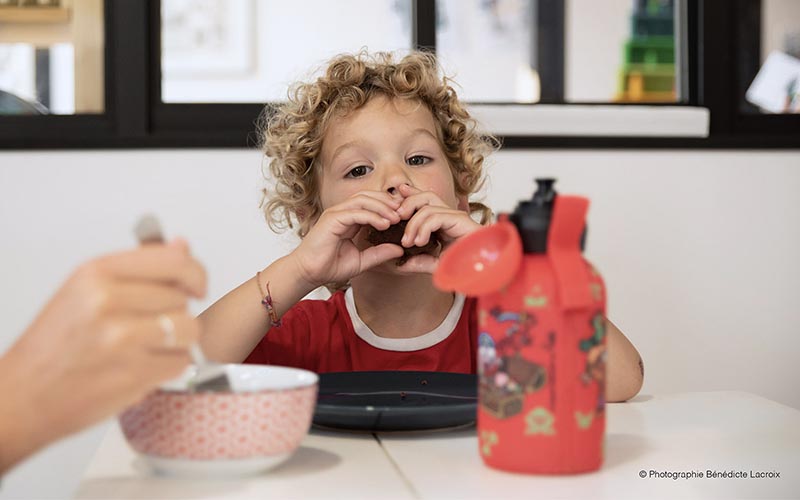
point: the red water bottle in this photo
(541, 358)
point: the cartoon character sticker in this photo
(505, 377)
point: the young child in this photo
(369, 144)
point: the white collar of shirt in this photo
(424, 341)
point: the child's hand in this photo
(328, 253)
(432, 215)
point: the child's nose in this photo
(394, 178)
(395, 190)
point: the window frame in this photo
(135, 117)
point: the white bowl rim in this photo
(269, 378)
(215, 467)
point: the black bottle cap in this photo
(532, 217)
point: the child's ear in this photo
(304, 217)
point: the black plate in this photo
(396, 400)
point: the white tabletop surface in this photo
(690, 432)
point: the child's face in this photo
(380, 146)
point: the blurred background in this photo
(234, 51)
(682, 130)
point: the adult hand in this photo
(116, 328)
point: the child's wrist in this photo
(300, 276)
(289, 268)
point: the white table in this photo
(687, 432)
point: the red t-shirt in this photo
(328, 336)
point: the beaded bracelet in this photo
(267, 302)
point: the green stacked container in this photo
(648, 71)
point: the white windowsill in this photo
(592, 121)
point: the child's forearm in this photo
(234, 324)
(624, 366)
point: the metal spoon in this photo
(210, 376)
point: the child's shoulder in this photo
(312, 316)
(316, 305)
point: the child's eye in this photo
(358, 171)
(418, 160)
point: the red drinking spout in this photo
(482, 262)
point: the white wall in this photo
(699, 251)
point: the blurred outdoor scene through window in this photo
(51, 57)
(229, 51)
(225, 51)
(217, 51)
(776, 87)
(250, 51)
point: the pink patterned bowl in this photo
(257, 425)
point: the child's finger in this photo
(381, 196)
(416, 201)
(345, 221)
(372, 201)
(419, 264)
(376, 255)
(426, 221)
(414, 225)
(407, 190)
(390, 200)
(450, 225)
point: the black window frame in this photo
(718, 32)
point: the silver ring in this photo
(168, 328)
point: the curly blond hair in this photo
(293, 132)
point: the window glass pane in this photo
(51, 57)
(621, 51)
(776, 88)
(613, 50)
(487, 47)
(217, 51)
